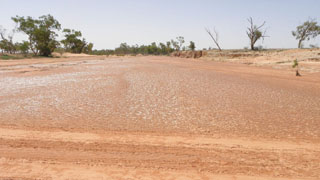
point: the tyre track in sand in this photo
(61, 154)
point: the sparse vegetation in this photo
(313, 46)
(7, 57)
(21, 56)
(296, 66)
(168, 90)
(125, 49)
(42, 39)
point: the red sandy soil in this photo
(156, 118)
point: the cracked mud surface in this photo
(157, 118)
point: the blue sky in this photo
(108, 23)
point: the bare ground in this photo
(309, 59)
(157, 118)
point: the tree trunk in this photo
(300, 44)
(252, 46)
(218, 47)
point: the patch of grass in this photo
(282, 62)
(8, 57)
(20, 56)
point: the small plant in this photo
(314, 46)
(296, 66)
(9, 57)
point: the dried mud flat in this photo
(157, 118)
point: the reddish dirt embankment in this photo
(157, 118)
(189, 54)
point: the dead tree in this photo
(215, 39)
(254, 33)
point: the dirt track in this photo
(157, 118)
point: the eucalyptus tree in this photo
(41, 33)
(306, 31)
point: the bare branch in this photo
(217, 34)
(261, 25)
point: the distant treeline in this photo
(42, 40)
(125, 49)
(152, 49)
